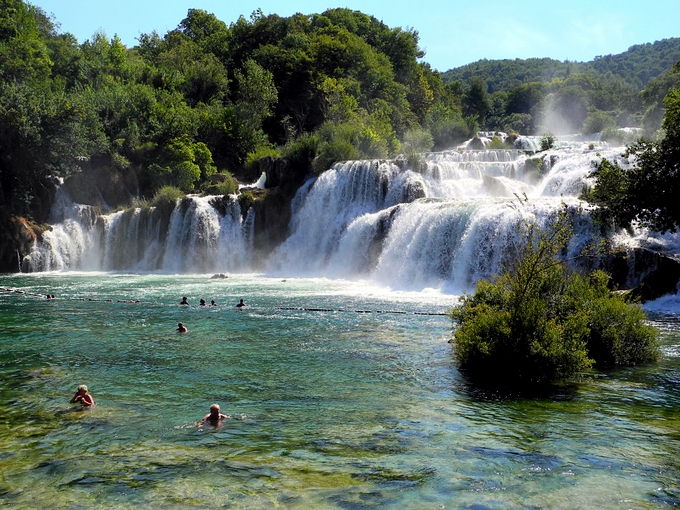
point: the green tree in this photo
(447, 126)
(538, 322)
(476, 100)
(256, 94)
(495, 115)
(597, 121)
(42, 133)
(565, 109)
(203, 27)
(527, 99)
(67, 57)
(23, 52)
(203, 158)
(648, 192)
(547, 141)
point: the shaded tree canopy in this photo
(206, 97)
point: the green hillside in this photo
(635, 67)
(504, 75)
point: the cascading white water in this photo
(201, 240)
(196, 238)
(71, 243)
(448, 222)
(337, 198)
(132, 239)
(451, 222)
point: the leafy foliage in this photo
(648, 191)
(228, 186)
(538, 322)
(496, 143)
(206, 97)
(23, 52)
(637, 67)
(535, 95)
(547, 141)
(259, 153)
(167, 196)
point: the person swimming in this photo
(83, 397)
(184, 301)
(202, 302)
(181, 328)
(214, 416)
(212, 303)
(241, 304)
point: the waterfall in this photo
(454, 243)
(445, 224)
(200, 235)
(201, 239)
(72, 241)
(339, 196)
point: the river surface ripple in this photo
(336, 408)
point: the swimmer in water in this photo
(83, 397)
(181, 328)
(184, 301)
(214, 416)
(212, 303)
(241, 303)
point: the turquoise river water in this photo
(337, 409)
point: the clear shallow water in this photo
(341, 409)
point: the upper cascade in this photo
(448, 220)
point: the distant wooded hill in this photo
(636, 67)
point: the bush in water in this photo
(547, 141)
(539, 322)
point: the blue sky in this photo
(452, 33)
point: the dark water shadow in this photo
(492, 389)
(73, 409)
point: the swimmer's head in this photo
(82, 388)
(215, 408)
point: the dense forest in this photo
(542, 94)
(635, 67)
(209, 97)
(198, 107)
(648, 192)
